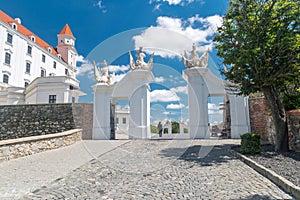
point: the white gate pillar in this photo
(239, 113)
(198, 100)
(139, 125)
(101, 120)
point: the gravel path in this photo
(286, 165)
(201, 169)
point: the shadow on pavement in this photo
(257, 197)
(203, 155)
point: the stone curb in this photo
(275, 178)
(39, 137)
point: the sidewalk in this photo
(22, 175)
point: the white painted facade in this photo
(24, 58)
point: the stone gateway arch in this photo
(201, 83)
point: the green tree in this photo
(175, 127)
(153, 129)
(260, 42)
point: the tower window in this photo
(29, 50)
(43, 58)
(28, 67)
(54, 64)
(5, 78)
(7, 58)
(52, 98)
(9, 38)
(43, 72)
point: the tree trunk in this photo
(279, 116)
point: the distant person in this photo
(159, 127)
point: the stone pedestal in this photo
(101, 120)
(239, 113)
(198, 100)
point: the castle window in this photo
(7, 58)
(9, 38)
(29, 50)
(5, 78)
(43, 72)
(26, 84)
(32, 38)
(52, 98)
(54, 64)
(28, 67)
(43, 58)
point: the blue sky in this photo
(108, 29)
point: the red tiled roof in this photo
(23, 30)
(66, 31)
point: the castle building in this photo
(31, 70)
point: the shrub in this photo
(250, 143)
(153, 129)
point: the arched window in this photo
(43, 73)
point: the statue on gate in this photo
(102, 74)
(140, 63)
(194, 60)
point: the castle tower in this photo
(66, 46)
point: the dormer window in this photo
(59, 56)
(49, 50)
(14, 26)
(32, 38)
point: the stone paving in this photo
(164, 169)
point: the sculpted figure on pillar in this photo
(102, 74)
(194, 60)
(140, 63)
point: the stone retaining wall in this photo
(294, 129)
(15, 148)
(18, 121)
(261, 122)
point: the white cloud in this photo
(175, 106)
(80, 59)
(180, 89)
(100, 5)
(173, 35)
(174, 2)
(118, 68)
(213, 109)
(163, 96)
(159, 79)
(86, 68)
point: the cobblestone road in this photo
(164, 170)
